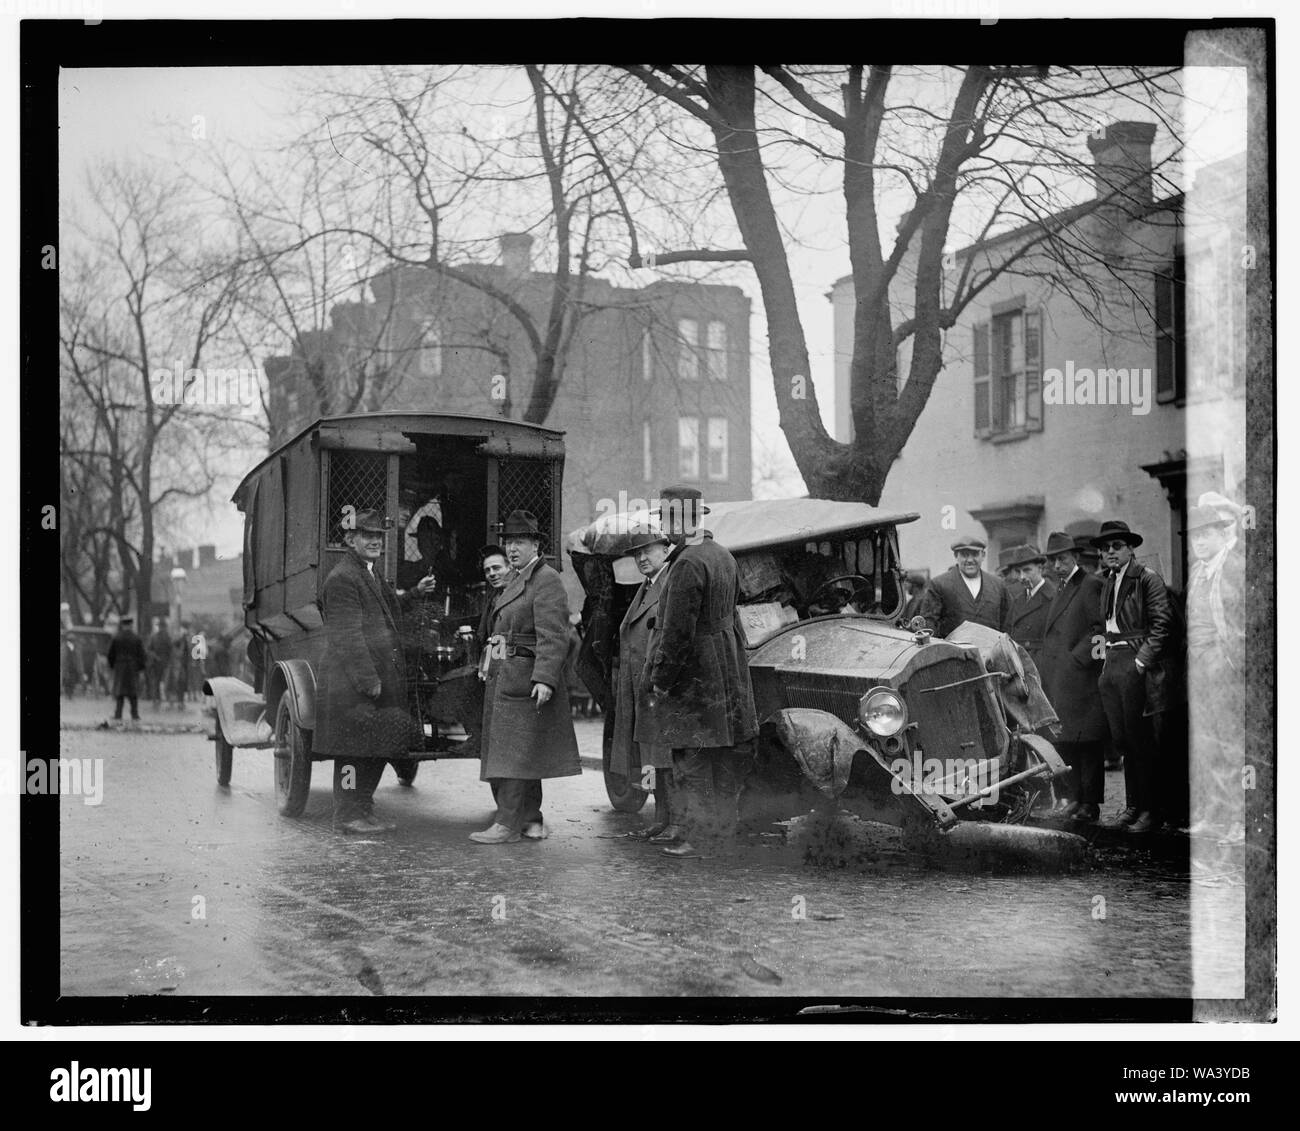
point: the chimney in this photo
(1122, 163)
(517, 254)
(207, 556)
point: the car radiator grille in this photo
(950, 723)
(842, 702)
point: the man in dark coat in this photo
(649, 550)
(362, 715)
(700, 700)
(1138, 620)
(1070, 664)
(966, 592)
(914, 583)
(127, 659)
(1031, 594)
(159, 651)
(527, 726)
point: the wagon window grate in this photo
(358, 480)
(525, 484)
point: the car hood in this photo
(849, 646)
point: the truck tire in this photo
(292, 762)
(223, 758)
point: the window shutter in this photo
(1164, 340)
(983, 386)
(1034, 370)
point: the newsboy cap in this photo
(372, 522)
(1114, 529)
(969, 542)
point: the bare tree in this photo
(1001, 147)
(141, 429)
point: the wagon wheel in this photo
(223, 758)
(292, 762)
(1038, 752)
(406, 769)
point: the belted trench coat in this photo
(635, 640)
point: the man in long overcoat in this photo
(965, 592)
(628, 757)
(701, 702)
(1032, 593)
(127, 659)
(1139, 626)
(362, 715)
(527, 728)
(1070, 665)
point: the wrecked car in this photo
(944, 739)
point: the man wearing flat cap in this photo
(648, 548)
(1070, 671)
(527, 727)
(1134, 684)
(1032, 593)
(1216, 670)
(700, 701)
(362, 716)
(965, 592)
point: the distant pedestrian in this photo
(127, 659)
(1032, 593)
(159, 650)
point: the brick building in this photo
(1000, 447)
(655, 387)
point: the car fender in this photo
(236, 712)
(295, 680)
(823, 746)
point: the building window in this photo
(717, 439)
(1009, 374)
(688, 351)
(430, 350)
(716, 357)
(647, 467)
(647, 356)
(688, 447)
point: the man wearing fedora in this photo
(127, 659)
(1138, 625)
(965, 592)
(527, 726)
(1216, 668)
(700, 701)
(1031, 596)
(1070, 670)
(363, 718)
(648, 548)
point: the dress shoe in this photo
(366, 825)
(683, 851)
(1145, 823)
(1087, 814)
(535, 831)
(1127, 817)
(648, 833)
(669, 834)
(1065, 808)
(496, 834)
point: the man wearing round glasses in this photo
(1138, 620)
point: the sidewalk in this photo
(89, 712)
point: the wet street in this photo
(173, 885)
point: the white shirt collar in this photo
(973, 583)
(1041, 582)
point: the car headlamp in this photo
(882, 712)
